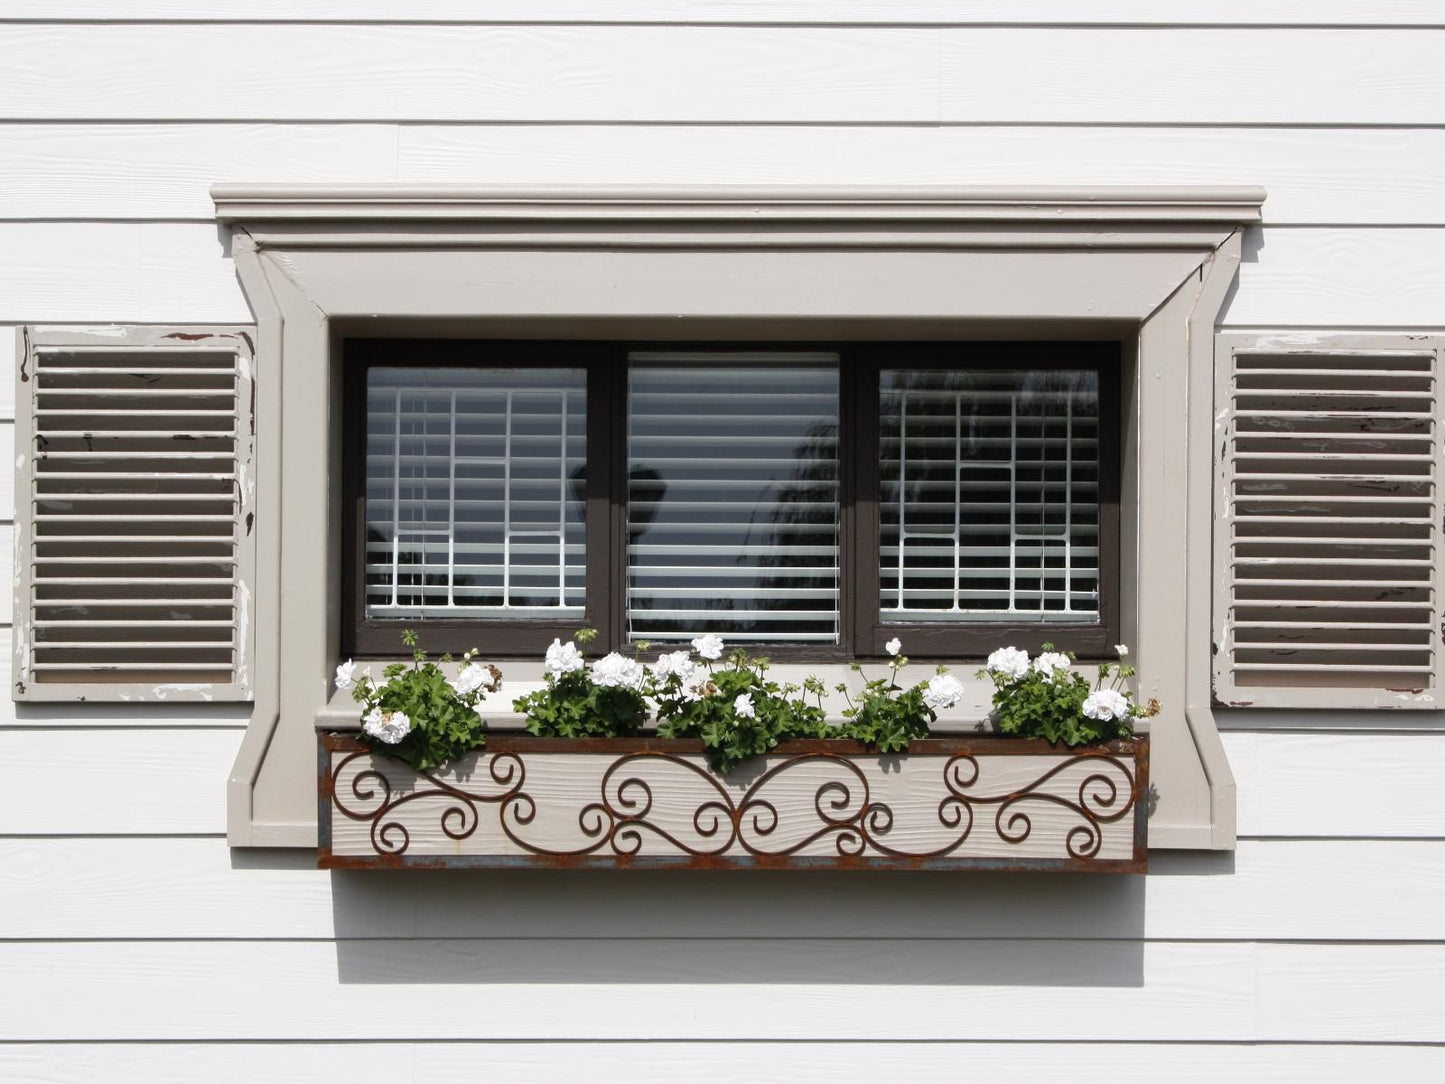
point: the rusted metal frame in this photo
(861, 828)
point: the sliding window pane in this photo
(475, 493)
(989, 503)
(732, 510)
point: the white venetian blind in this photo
(732, 510)
(138, 506)
(475, 492)
(989, 497)
(1328, 527)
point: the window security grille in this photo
(475, 485)
(989, 504)
(135, 512)
(1328, 515)
(732, 512)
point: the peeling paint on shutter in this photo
(1327, 521)
(134, 455)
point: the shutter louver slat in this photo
(136, 516)
(1327, 519)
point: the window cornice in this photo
(1117, 217)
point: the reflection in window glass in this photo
(475, 492)
(732, 509)
(989, 503)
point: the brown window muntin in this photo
(862, 632)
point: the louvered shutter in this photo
(134, 449)
(1327, 518)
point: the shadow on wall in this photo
(754, 927)
(628, 927)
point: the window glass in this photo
(475, 492)
(989, 495)
(732, 496)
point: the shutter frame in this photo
(165, 682)
(1314, 351)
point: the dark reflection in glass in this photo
(732, 505)
(989, 496)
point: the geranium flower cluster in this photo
(1047, 698)
(731, 705)
(416, 712)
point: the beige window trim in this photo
(1151, 267)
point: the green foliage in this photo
(1050, 704)
(885, 716)
(736, 712)
(444, 723)
(574, 705)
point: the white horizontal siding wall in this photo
(135, 947)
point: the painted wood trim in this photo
(703, 204)
(1276, 14)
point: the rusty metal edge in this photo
(994, 746)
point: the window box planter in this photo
(949, 803)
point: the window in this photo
(817, 500)
(1148, 270)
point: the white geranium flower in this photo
(1106, 704)
(388, 728)
(1009, 662)
(618, 671)
(472, 677)
(893, 646)
(346, 675)
(1050, 663)
(1122, 650)
(943, 691)
(674, 664)
(563, 658)
(692, 692)
(743, 706)
(710, 647)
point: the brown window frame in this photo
(862, 633)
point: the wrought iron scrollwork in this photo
(768, 819)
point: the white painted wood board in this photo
(7, 372)
(1282, 13)
(76, 781)
(660, 989)
(778, 1062)
(117, 272)
(130, 171)
(7, 477)
(1313, 175)
(728, 989)
(179, 273)
(1320, 176)
(196, 889)
(912, 74)
(1344, 785)
(1312, 785)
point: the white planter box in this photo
(980, 803)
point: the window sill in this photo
(969, 716)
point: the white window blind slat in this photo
(732, 515)
(988, 507)
(475, 493)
